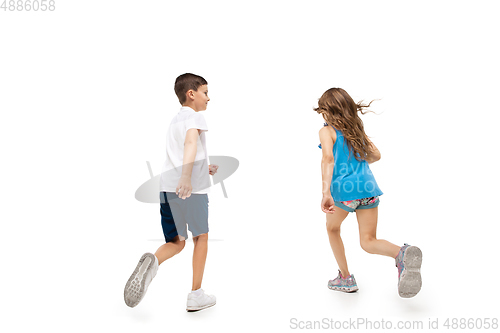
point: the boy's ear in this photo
(190, 94)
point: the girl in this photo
(349, 186)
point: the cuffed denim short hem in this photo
(353, 205)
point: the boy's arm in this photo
(327, 163)
(184, 187)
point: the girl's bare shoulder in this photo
(328, 131)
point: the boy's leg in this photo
(173, 225)
(199, 259)
(367, 221)
(333, 222)
(197, 214)
(170, 249)
(197, 299)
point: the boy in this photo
(184, 184)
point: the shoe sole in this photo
(134, 289)
(194, 309)
(344, 289)
(410, 281)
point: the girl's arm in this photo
(327, 139)
(374, 155)
(327, 160)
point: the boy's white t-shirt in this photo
(186, 119)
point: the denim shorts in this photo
(353, 205)
(178, 215)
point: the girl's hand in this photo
(327, 204)
(212, 169)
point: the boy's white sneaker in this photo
(139, 281)
(199, 302)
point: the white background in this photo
(86, 95)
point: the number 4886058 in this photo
(28, 5)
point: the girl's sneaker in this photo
(139, 281)
(343, 284)
(199, 302)
(408, 262)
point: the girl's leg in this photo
(333, 222)
(169, 249)
(199, 258)
(367, 221)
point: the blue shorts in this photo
(353, 205)
(177, 213)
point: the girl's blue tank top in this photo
(351, 179)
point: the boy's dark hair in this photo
(186, 82)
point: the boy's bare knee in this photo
(180, 245)
(202, 238)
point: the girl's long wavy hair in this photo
(340, 111)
